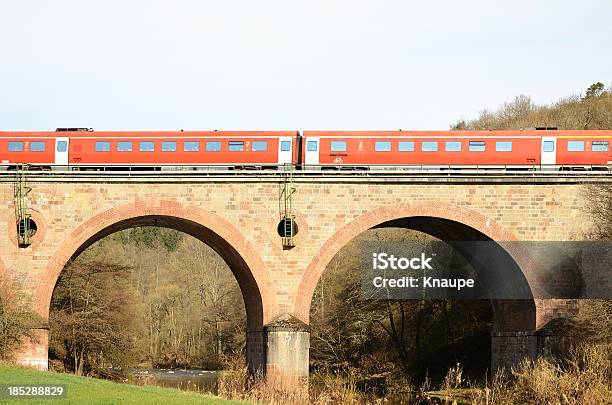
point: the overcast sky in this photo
(258, 64)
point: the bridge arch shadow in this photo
(242, 259)
(448, 223)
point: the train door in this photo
(312, 152)
(285, 150)
(549, 150)
(61, 151)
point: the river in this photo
(190, 380)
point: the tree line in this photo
(146, 297)
(591, 110)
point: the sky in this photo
(291, 65)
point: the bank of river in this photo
(206, 381)
(86, 390)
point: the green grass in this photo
(85, 390)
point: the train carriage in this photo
(457, 149)
(84, 149)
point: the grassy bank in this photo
(84, 390)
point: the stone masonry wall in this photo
(246, 214)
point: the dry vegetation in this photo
(591, 111)
(584, 377)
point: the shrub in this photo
(585, 377)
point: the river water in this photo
(191, 380)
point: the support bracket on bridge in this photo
(288, 226)
(23, 218)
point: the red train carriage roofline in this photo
(146, 134)
(318, 133)
(458, 134)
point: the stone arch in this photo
(442, 220)
(244, 261)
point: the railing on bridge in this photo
(315, 170)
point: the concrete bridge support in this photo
(286, 346)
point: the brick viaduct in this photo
(237, 215)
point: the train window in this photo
(62, 146)
(600, 146)
(15, 146)
(191, 146)
(549, 146)
(477, 146)
(311, 146)
(338, 146)
(575, 146)
(429, 146)
(213, 146)
(147, 146)
(169, 146)
(285, 146)
(259, 146)
(37, 146)
(236, 146)
(102, 146)
(406, 146)
(382, 146)
(124, 146)
(503, 146)
(452, 146)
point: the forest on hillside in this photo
(591, 110)
(146, 296)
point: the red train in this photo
(85, 149)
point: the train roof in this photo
(145, 134)
(462, 133)
(340, 134)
